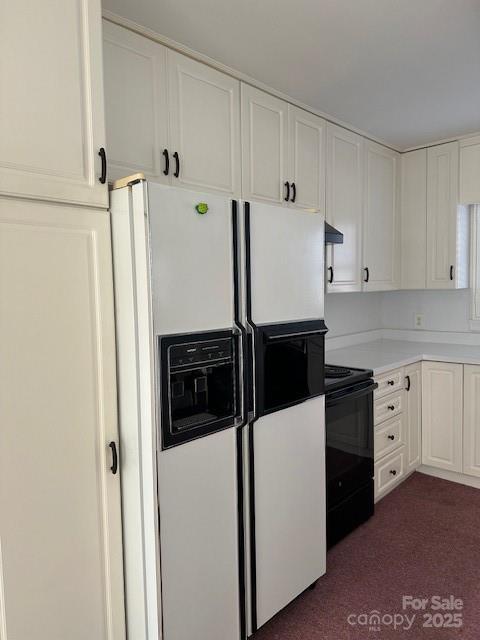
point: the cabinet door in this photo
(344, 207)
(413, 415)
(471, 421)
(60, 527)
(135, 103)
(413, 219)
(470, 171)
(442, 415)
(51, 111)
(380, 227)
(264, 145)
(204, 116)
(306, 151)
(442, 196)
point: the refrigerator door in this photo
(286, 263)
(199, 539)
(191, 260)
(290, 512)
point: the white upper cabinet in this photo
(442, 415)
(306, 159)
(204, 119)
(447, 223)
(470, 171)
(344, 208)
(172, 118)
(135, 103)
(264, 146)
(413, 219)
(51, 110)
(471, 421)
(380, 226)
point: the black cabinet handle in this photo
(167, 162)
(330, 276)
(103, 174)
(114, 467)
(409, 384)
(391, 382)
(452, 270)
(287, 195)
(391, 437)
(177, 165)
(393, 472)
(294, 189)
(391, 407)
(367, 274)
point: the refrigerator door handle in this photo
(241, 417)
(250, 375)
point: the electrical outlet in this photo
(419, 320)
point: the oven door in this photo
(289, 364)
(349, 440)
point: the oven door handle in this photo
(295, 334)
(341, 395)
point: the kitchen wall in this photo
(347, 313)
(352, 312)
(442, 310)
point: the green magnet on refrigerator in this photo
(202, 208)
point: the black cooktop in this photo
(337, 377)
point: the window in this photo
(475, 266)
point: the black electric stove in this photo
(337, 377)
(349, 450)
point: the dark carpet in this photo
(423, 542)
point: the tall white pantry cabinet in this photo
(61, 567)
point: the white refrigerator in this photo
(222, 450)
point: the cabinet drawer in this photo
(392, 381)
(389, 436)
(388, 407)
(389, 472)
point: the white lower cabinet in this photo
(61, 572)
(390, 433)
(471, 421)
(442, 415)
(389, 472)
(389, 436)
(413, 415)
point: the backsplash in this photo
(347, 313)
(441, 310)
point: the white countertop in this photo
(385, 355)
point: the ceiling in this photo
(404, 71)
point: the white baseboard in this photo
(453, 476)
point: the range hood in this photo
(332, 235)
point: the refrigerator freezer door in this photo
(287, 264)
(199, 539)
(290, 513)
(191, 260)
